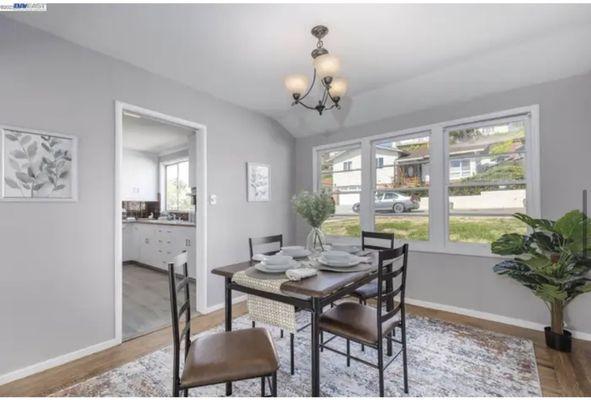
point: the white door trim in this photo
(200, 239)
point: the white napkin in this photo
(300, 273)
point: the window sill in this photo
(455, 249)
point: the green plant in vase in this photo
(315, 208)
(552, 262)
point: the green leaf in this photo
(10, 137)
(18, 154)
(543, 241)
(25, 139)
(509, 243)
(551, 293)
(535, 223)
(538, 263)
(570, 223)
(32, 149)
(25, 178)
(12, 183)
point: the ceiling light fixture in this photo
(326, 69)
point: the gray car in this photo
(392, 202)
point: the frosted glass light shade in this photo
(296, 84)
(327, 66)
(338, 87)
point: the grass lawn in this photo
(461, 229)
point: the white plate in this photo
(346, 248)
(275, 269)
(300, 253)
(354, 261)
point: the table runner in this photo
(264, 310)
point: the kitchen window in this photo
(176, 187)
(447, 187)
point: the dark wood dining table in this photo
(310, 294)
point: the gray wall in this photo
(57, 285)
(468, 282)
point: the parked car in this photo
(393, 202)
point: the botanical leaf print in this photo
(37, 165)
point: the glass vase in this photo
(316, 240)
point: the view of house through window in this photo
(486, 181)
(401, 193)
(177, 187)
(340, 171)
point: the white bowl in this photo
(295, 251)
(345, 247)
(278, 260)
(337, 256)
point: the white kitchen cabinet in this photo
(158, 244)
(130, 242)
(139, 176)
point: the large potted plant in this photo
(315, 208)
(551, 260)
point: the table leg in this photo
(315, 348)
(228, 310)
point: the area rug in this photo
(444, 359)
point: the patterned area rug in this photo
(445, 359)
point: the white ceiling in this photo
(148, 135)
(398, 58)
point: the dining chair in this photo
(253, 244)
(218, 357)
(370, 326)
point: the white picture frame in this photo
(37, 166)
(258, 182)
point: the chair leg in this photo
(389, 344)
(186, 392)
(274, 384)
(263, 386)
(175, 390)
(348, 353)
(291, 350)
(381, 367)
(362, 345)
(281, 334)
(253, 324)
(404, 357)
(321, 341)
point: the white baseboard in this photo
(56, 361)
(491, 317)
(219, 306)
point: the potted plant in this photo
(551, 260)
(315, 208)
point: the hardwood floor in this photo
(146, 300)
(560, 374)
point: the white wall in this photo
(468, 282)
(57, 286)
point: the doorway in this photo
(160, 211)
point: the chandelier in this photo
(326, 68)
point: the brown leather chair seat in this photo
(355, 321)
(230, 356)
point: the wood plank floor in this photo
(560, 374)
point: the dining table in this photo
(311, 294)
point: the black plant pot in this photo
(558, 342)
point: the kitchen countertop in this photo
(160, 222)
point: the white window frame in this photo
(163, 166)
(439, 168)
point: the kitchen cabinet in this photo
(139, 176)
(156, 245)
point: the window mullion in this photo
(367, 185)
(437, 198)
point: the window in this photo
(177, 190)
(402, 187)
(340, 171)
(447, 187)
(487, 180)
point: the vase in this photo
(316, 240)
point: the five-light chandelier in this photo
(326, 68)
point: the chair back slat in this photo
(386, 290)
(180, 261)
(256, 242)
(386, 238)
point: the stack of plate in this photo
(338, 259)
(294, 251)
(348, 248)
(276, 264)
